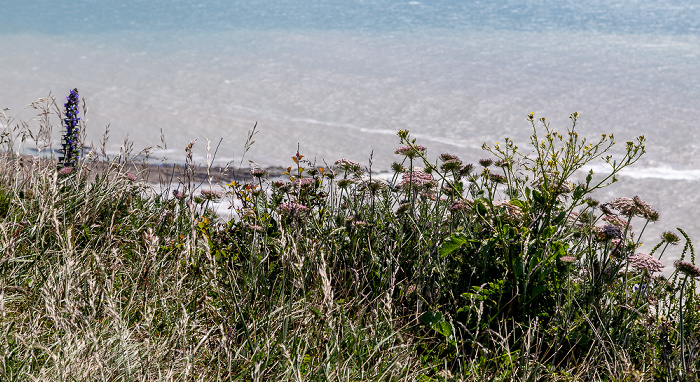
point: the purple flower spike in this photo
(71, 137)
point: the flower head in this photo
(645, 262)
(568, 259)
(486, 162)
(410, 151)
(617, 222)
(417, 178)
(634, 207)
(670, 238)
(210, 195)
(178, 195)
(71, 136)
(687, 268)
(304, 182)
(451, 165)
(258, 172)
(460, 205)
(347, 165)
(65, 170)
(130, 176)
(293, 208)
(448, 157)
(466, 169)
(497, 178)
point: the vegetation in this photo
(504, 270)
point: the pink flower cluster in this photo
(634, 207)
(617, 222)
(304, 182)
(210, 194)
(417, 178)
(347, 164)
(292, 208)
(409, 151)
(645, 262)
(687, 268)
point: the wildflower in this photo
(591, 202)
(607, 232)
(373, 184)
(403, 208)
(348, 165)
(410, 152)
(358, 224)
(65, 170)
(178, 195)
(430, 195)
(345, 183)
(304, 182)
(466, 169)
(568, 259)
(634, 207)
(645, 209)
(448, 157)
(617, 222)
(451, 165)
(498, 179)
(485, 162)
(605, 209)
(417, 178)
(258, 172)
(641, 288)
(645, 262)
(293, 208)
(459, 205)
(282, 186)
(687, 268)
(397, 167)
(653, 300)
(210, 195)
(71, 137)
(130, 176)
(670, 238)
(503, 163)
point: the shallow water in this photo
(339, 78)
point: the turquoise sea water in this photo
(340, 77)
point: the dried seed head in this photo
(670, 238)
(486, 162)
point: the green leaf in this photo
(537, 196)
(454, 242)
(518, 203)
(437, 322)
(481, 208)
(431, 318)
(443, 328)
(536, 291)
(560, 217)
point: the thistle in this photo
(71, 137)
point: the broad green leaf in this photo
(453, 243)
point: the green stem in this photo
(680, 307)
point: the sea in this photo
(337, 79)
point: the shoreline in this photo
(154, 173)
